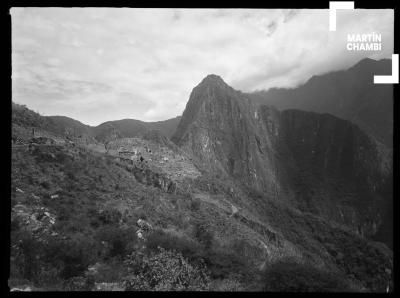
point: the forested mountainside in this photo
(242, 198)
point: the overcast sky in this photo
(100, 64)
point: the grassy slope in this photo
(87, 182)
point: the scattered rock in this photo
(144, 224)
(234, 210)
(26, 289)
(140, 234)
(94, 268)
(108, 286)
(37, 198)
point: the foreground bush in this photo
(119, 241)
(164, 271)
(220, 261)
(289, 276)
(159, 238)
(47, 261)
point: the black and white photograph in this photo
(202, 149)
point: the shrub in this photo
(195, 205)
(121, 241)
(203, 235)
(71, 256)
(45, 184)
(221, 262)
(47, 261)
(229, 284)
(158, 238)
(289, 276)
(26, 255)
(15, 223)
(110, 216)
(164, 271)
(112, 271)
(78, 283)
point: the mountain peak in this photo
(213, 79)
(368, 63)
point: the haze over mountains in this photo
(266, 184)
(349, 94)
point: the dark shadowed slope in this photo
(349, 94)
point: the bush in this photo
(110, 216)
(120, 241)
(230, 284)
(220, 261)
(195, 205)
(164, 271)
(289, 276)
(47, 261)
(158, 238)
(112, 271)
(26, 256)
(203, 235)
(45, 184)
(73, 256)
(78, 283)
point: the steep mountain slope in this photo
(84, 219)
(349, 94)
(76, 213)
(316, 163)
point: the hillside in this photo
(110, 130)
(129, 128)
(349, 94)
(231, 205)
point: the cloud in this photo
(100, 64)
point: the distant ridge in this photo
(349, 94)
(121, 128)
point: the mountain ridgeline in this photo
(61, 125)
(348, 94)
(315, 162)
